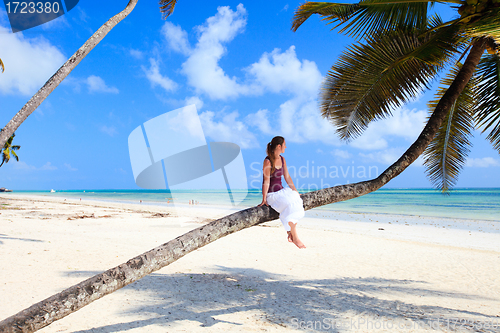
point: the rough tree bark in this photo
(70, 300)
(62, 73)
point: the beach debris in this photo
(380, 228)
(160, 215)
(77, 217)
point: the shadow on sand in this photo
(333, 305)
(3, 236)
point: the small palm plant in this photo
(9, 150)
(401, 47)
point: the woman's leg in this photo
(294, 237)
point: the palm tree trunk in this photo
(62, 72)
(70, 300)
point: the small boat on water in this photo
(3, 189)
(52, 191)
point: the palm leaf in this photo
(370, 80)
(488, 115)
(2, 65)
(445, 156)
(438, 46)
(167, 7)
(328, 10)
(488, 25)
(369, 16)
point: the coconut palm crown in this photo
(400, 48)
(9, 150)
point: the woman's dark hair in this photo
(271, 146)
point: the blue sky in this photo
(249, 75)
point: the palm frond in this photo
(167, 7)
(488, 116)
(2, 66)
(488, 25)
(369, 16)
(446, 155)
(434, 21)
(438, 46)
(370, 80)
(328, 10)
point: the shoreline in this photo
(252, 280)
(467, 233)
(465, 205)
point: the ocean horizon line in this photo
(250, 189)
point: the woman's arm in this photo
(288, 179)
(266, 169)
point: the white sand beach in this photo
(417, 274)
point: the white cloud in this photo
(260, 120)
(111, 130)
(386, 156)
(201, 68)
(341, 153)
(97, 84)
(120, 170)
(156, 79)
(29, 62)
(48, 166)
(484, 162)
(277, 72)
(228, 129)
(176, 38)
(194, 100)
(389, 156)
(22, 166)
(300, 121)
(137, 54)
(82, 15)
(404, 123)
(54, 24)
(283, 72)
(69, 167)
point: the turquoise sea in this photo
(465, 203)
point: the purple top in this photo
(275, 178)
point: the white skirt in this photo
(288, 203)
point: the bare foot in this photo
(299, 244)
(292, 234)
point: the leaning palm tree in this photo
(64, 71)
(166, 8)
(401, 47)
(9, 150)
(403, 52)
